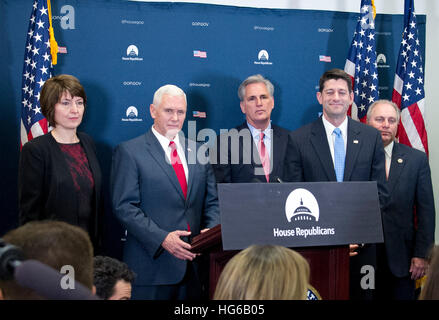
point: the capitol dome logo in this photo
(263, 58)
(263, 55)
(301, 205)
(381, 58)
(382, 61)
(132, 51)
(132, 112)
(132, 54)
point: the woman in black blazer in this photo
(59, 175)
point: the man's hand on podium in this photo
(352, 248)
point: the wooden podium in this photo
(329, 264)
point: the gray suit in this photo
(148, 201)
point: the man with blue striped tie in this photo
(337, 148)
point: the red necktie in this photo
(265, 159)
(178, 168)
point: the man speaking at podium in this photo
(163, 196)
(337, 148)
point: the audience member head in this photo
(112, 278)
(61, 90)
(264, 272)
(430, 290)
(55, 244)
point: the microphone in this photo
(278, 179)
(42, 279)
(10, 257)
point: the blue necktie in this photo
(339, 155)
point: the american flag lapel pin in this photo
(355, 141)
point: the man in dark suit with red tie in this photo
(162, 195)
(403, 257)
(255, 150)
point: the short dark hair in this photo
(55, 244)
(53, 90)
(335, 74)
(107, 271)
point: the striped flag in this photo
(200, 54)
(408, 88)
(199, 114)
(37, 69)
(361, 63)
(325, 58)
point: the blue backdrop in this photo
(123, 51)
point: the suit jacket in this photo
(248, 159)
(309, 157)
(45, 184)
(149, 203)
(409, 186)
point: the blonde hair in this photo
(264, 272)
(430, 290)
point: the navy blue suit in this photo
(410, 187)
(148, 201)
(309, 160)
(245, 171)
(309, 157)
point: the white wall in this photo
(428, 7)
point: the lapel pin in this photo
(355, 141)
(400, 160)
(189, 149)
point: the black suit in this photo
(45, 185)
(246, 171)
(410, 187)
(309, 160)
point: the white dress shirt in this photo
(388, 152)
(164, 142)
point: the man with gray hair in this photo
(255, 150)
(409, 218)
(163, 196)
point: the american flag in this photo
(200, 54)
(325, 58)
(37, 69)
(199, 114)
(408, 87)
(361, 63)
